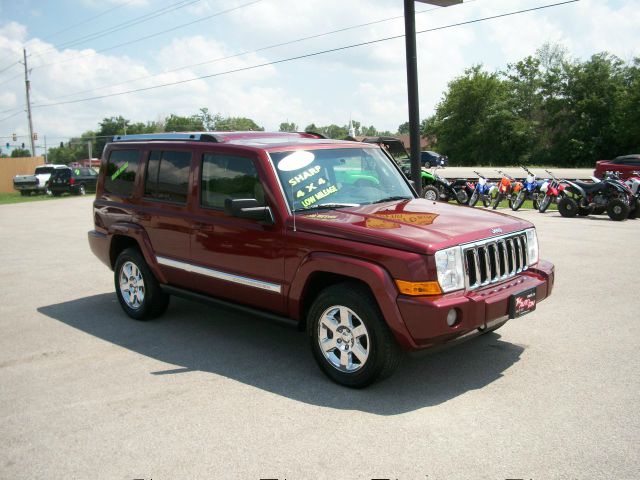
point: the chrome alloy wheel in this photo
(343, 339)
(131, 285)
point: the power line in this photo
(122, 25)
(83, 22)
(9, 79)
(146, 37)
(248, 52)
(9, 66)
(308, 55)
(10, 116)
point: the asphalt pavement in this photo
(85, 392)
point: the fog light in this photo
(452, 317)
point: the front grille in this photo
(495, 259)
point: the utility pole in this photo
(412, 82)
(90, 150)
(28, 87)
(46, 152)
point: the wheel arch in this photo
(320, 267)
(126, 235)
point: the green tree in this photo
(176, 123)
(20, 152)
(403, 128)
(288, 127)
(231, 124)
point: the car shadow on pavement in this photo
(196, 337)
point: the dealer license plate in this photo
(522, 303)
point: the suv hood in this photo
(418, 225)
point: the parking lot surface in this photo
(85, 392)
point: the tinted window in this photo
(168, 176)
(61, 173)
(43, 170)
(224, 176)
(121, 172)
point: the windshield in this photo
(340, 177)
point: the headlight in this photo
(450, 269)
(532, 245)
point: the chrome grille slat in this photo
(494, 259)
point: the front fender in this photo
(376, 277)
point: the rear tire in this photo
(633, 214)
(568, 207)
(617, 210)
(25, 193)
(584, 211)
(137, 289)
(462, 197)
(349, 337)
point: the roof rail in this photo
(186, 136)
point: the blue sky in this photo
(69, 56)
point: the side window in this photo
(168, 176)
(225, 176)
(120, 172)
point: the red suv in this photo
(327, 234)
(626, 165)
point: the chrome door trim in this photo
(218, 275)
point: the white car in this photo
(38, 182)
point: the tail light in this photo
(72, 181)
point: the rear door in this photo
(163, 209)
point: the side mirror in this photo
(248, 208)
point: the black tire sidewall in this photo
(614, 216)
(152, 293)
(364, 305)
(568, 207)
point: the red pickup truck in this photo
(326, 234)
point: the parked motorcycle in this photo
(483, 190)
(508, 188)
(584, 198)
(435, 187)
(530, 191)
(552, 191)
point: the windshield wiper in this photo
(326, 206)
(391, 199)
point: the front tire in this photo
(430, 193)
(497, 201)
(544, 204)
(568, 207)
(474, 199)
(519, 200)
(349, 337)
(137, 289)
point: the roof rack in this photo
(198, 137)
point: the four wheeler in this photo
(551, 190)
(482, 191)
(435, 187)
(508, 188)
(530, 191)
(611, 193)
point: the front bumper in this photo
(426, 317)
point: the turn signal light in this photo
(418, 288)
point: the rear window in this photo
(168, 176)
(121, 171)
(44, 170)
(61, 173)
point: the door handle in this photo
(199, 227)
